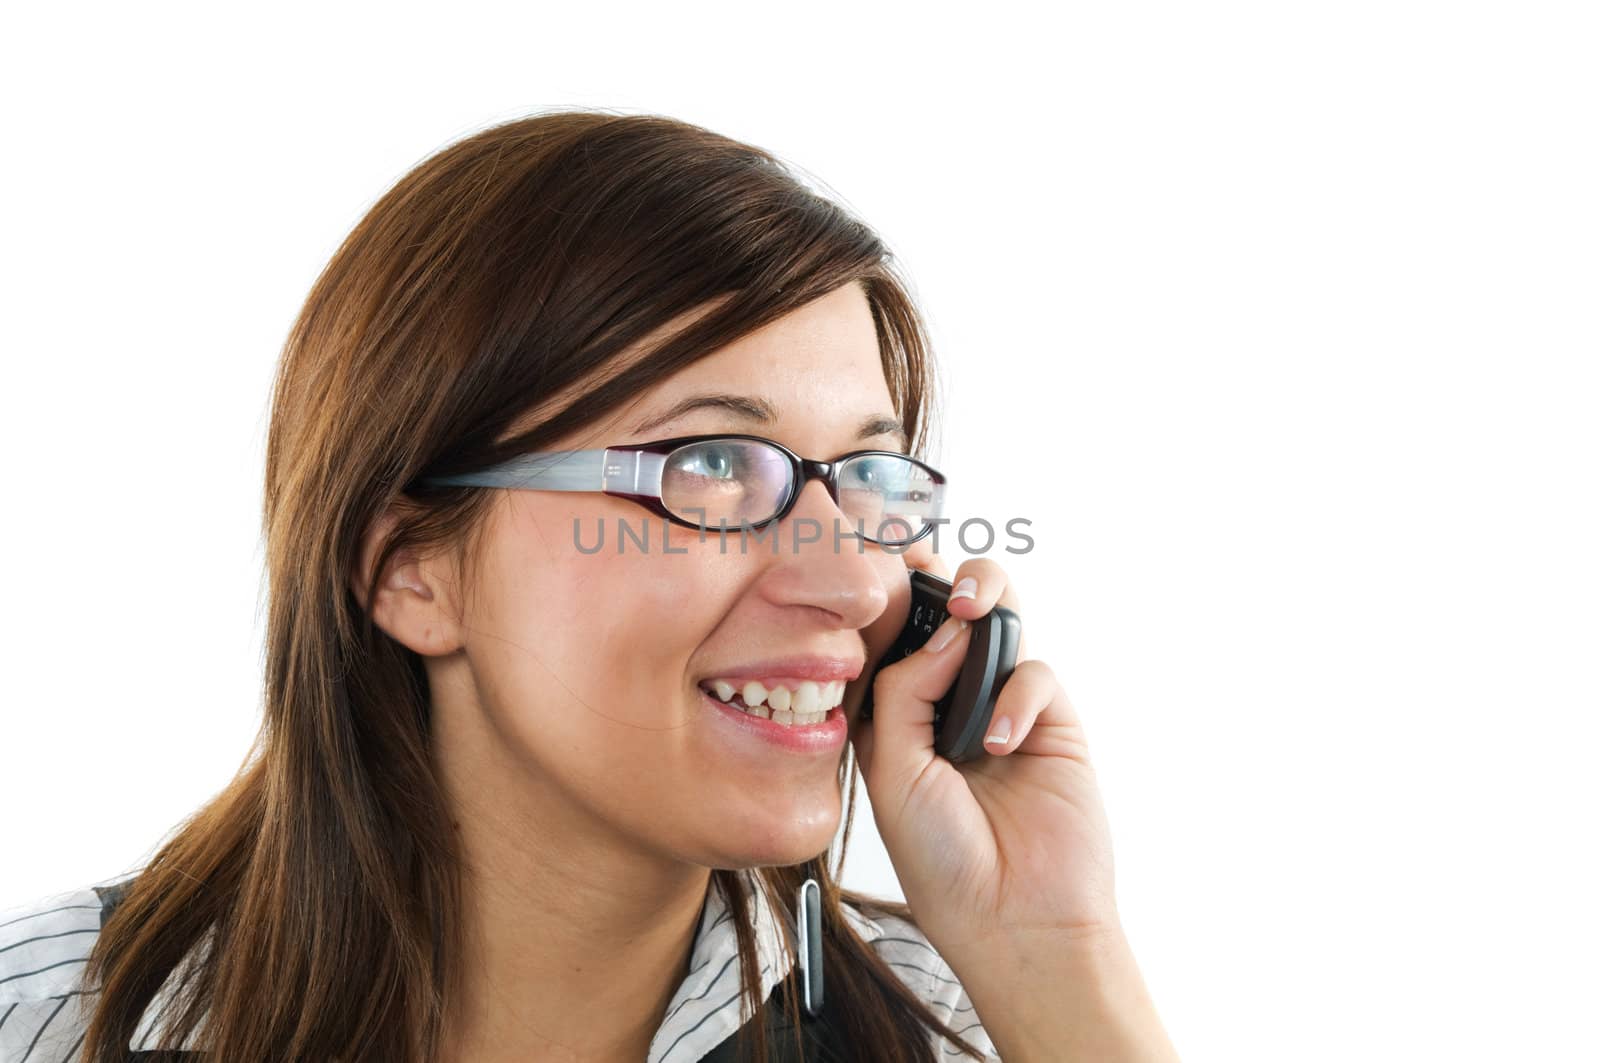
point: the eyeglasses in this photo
(737, 481)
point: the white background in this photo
(1279, 322)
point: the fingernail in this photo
(967, 588)
(1000, 731)
(947, 631)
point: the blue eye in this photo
(875, 473)
(719, 463)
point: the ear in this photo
(415, 599)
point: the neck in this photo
(576, 938)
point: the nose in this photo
(813, 566)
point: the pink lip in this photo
(817, 669)
(738, 727)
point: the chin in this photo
(774, 839)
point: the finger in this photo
(990, 586)
(1040, 717)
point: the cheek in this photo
(881, 633)
(613, 632)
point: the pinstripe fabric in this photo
(45, 945)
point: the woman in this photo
(519, 797)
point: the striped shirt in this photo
(45, 945)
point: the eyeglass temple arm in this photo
(618, 471)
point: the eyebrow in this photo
(753, 408)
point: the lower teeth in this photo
(783, 716)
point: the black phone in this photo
(961, 717)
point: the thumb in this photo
(900, 744)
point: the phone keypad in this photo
(926, 616)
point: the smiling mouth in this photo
(795, 704)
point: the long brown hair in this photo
(511, 264)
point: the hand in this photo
(1012, 844)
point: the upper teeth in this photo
(805, 702)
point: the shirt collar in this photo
(707, 1007)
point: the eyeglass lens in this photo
(732, 481)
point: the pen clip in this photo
(808, 914)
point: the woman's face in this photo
(589, 670)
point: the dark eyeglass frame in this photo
(625, 471)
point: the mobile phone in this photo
(961, 717)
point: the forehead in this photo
(818, 350)
(819, 364)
